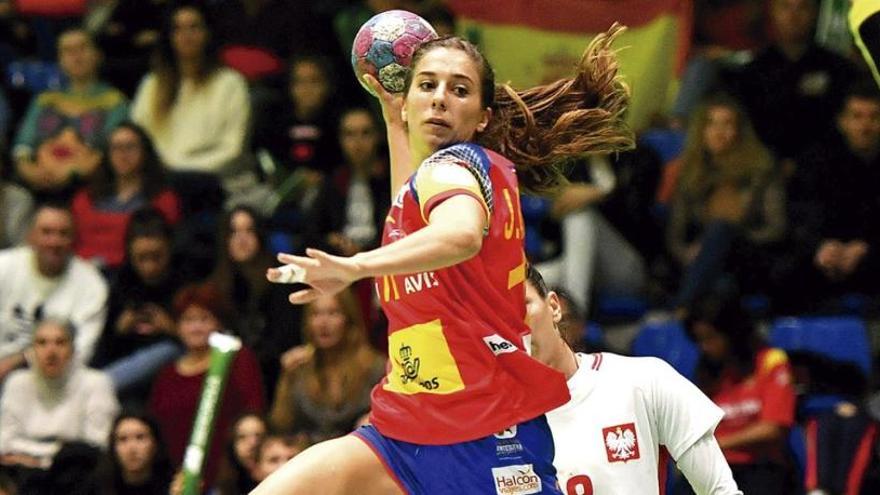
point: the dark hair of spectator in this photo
(205, 296)
(322, 62)
(103, 183)
(862, 89)
(108, 475)
(725, 314)
(7, 485)
(165, 63)
(227, 270)
(545, 128)
(233, 477)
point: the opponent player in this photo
(450, 278)
(625, 414)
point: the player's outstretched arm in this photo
(454, 234)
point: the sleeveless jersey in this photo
(457, 339)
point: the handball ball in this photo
(384, 47)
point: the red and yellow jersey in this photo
(457, 339)
(765, 395)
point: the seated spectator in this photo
(130, 177)
(326, 383)
(238, 474)
(834, 200)
(44, 279)
(138, 338)
(274, 451)
(728, 209)
(304, 133)
(127, 32)
(792, 87)
(196, 110)
(595, 256)
(16, 205)
(136, 462)
(264, 318)
(200, 311)
(60, 137)
(363, 181)
(55, 401)
(751, 382)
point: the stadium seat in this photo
(841, 338)
(667, 340)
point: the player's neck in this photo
(565, 360)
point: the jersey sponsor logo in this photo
(419, 282)
(621, 442)
(421, 361)
(516, 480)
(498, 344)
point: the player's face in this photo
(326, 322)
(712, 342)
(720, 132)
(860, 124)
(542, 315)
(53, 349)
(195, 326)
(243, 241)
(150, 257)
(135, 446)
(443, 104)
(249, 432)
(273, 455)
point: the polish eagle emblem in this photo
(621, 443)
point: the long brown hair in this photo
(747, 161)
(546, 128)
(358, 357)
(166, 66)
(252, 272)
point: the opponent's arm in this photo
(706, 469)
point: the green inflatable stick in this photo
(223, 351)
(864, 21)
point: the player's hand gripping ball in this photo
(384, 47)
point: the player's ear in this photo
(484, 121)
(555, 306)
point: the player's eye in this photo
(460, 91)
(427, 85)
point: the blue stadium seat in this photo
(34, 76)
(667, 143)
(668, 341)
(841, 338)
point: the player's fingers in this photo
(319, 255)
(303, 261)
(273, 274)
(304, 296)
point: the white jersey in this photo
(622, 410)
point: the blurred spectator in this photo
(196, 110)
(127, 32)
(60, 137)
(363, 181)
(16, 206)
(274, 451)
(44, 279)
(264, 318)
(326, 383)
(17, 38)
(136, 462)
(843, 442)
(7, 484)
(793, 87)
(138, 338)
(54, 401)
(130, 177)
(728, 208)
(834, 199)
(202, 310)
(238, 473)
(752, 384)
(303, 133)
(595, 256)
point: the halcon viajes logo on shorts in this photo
(516, 480)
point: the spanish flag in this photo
(531, 42)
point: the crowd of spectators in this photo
(144, 196)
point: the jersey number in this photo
(579, 485)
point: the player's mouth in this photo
(438, 122)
